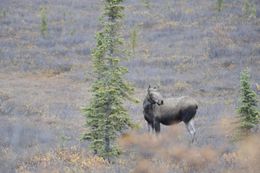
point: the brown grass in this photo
(147, 166)
(182, 86)
(170, 151)
(74, 157)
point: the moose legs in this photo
(156, 126)
(149, 128)
(191, 129)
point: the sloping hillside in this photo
(186, 47)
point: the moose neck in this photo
(148, 103)
(148, 97)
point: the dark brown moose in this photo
(168, 111)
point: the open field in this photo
(187, 47)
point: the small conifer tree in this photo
(133, 38)
(249, 9)
(44, 25)
(105, 115)
(220, 5)
(248, 113)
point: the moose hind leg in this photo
(191, 129)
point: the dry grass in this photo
(72, 158)
(182, 86)
(171, 152)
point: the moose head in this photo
(154, 95)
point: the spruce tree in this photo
(220, 5)
(248, 113)
(105, 115)
(249, 9)
(44, 25)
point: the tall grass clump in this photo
(248, 113)
(44, 25)
(105, 115)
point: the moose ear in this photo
(148, 89)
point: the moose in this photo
(168, 111)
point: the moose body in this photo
(169, 111)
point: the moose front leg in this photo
(149, 126)
(157, 126)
